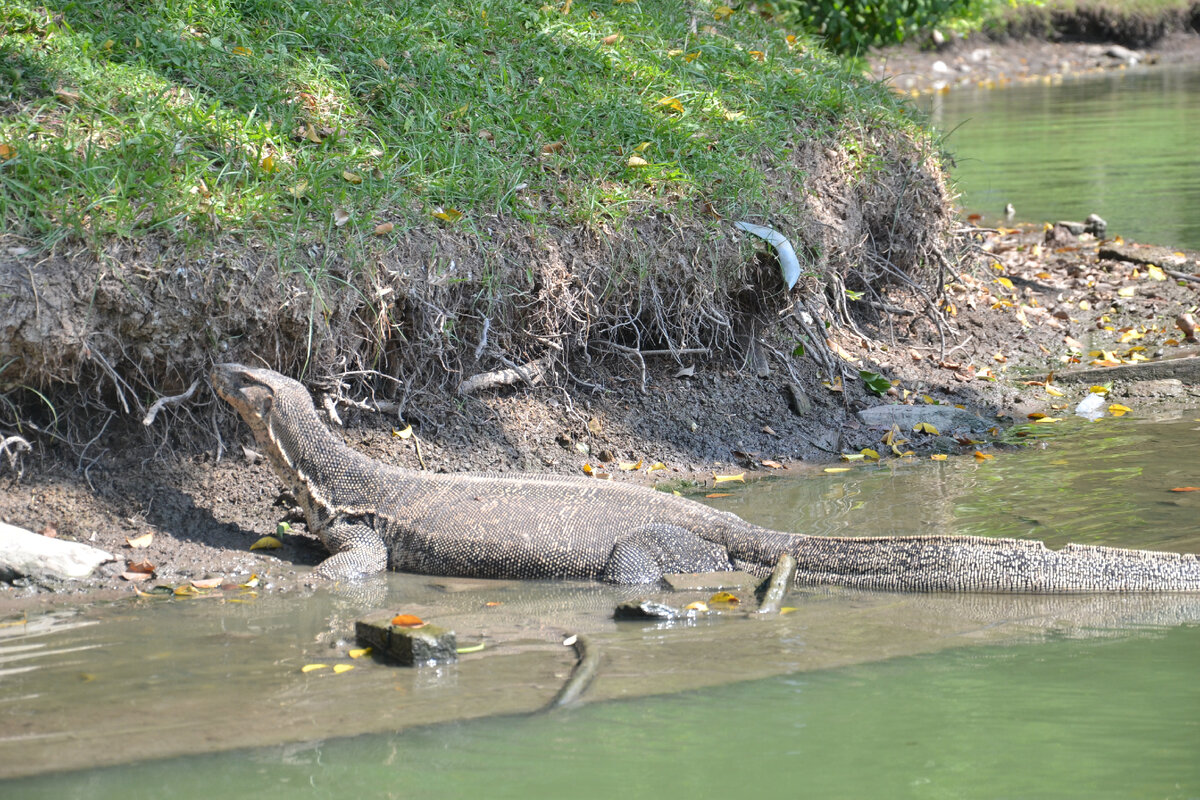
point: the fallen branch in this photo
(581, 675)
(163, 401)
(532, 373)
(1183, 276)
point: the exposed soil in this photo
(1064, 301)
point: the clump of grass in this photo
(284, 118)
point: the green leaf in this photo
(874, 381)
(853, 295)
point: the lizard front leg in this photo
(356, 547)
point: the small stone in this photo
(408, 647)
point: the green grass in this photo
(275, 119)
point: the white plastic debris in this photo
(787, 254)
(1091, 407)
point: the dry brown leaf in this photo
(384, 228)
(140, 541)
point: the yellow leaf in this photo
(725, 597)
(657, 465)
(310, 133)
(587, 469)
(338, 669)
(1050, 390)
(458, 112)
(629, 466)
(185, 591)
(352, 177)
(690, 57)
(448, 215)
(740, 477)
(404, 434)
(1155, 273)
(383, 229)
(853, 456)
(475, 648)
(670, 104)
(1127, 291)
(637, 161)
(267, 543)
(7, 152)
(299, 190)
(695, 605)
(1005, 282)
(981, 456)
(1046, 420)
(758, 55)
(313, 667)
(837, 469)
(938, 457)
(243, 51)
(140, 541)
(1118, 410)
(871, 454)
(721, 12)
(925, 427)
(268, 164)
(641, 148)
(359, 652)
(673, 53)
(252, 582)
(1098, 389)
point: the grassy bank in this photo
(423, 189)
(1135, 23)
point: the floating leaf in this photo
(695, 605)
(140, 541)
(1118, 410)
(313, 667)
(1046, 420)
(407, 621)
(982, 456)
(740, 477)
(725, 597)
(475, 648)
(938, 457)
(338, 669)
(837, 469)
(185, 591)
(1186, 489)
(925, 427)
(359, 652)
(718, 494)
(384, 228)
(267, 543)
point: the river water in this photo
(1125, 146)
(852, 694)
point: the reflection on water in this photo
(1122, 145)
(852, 694)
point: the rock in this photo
(797, 400)
(944, 418)
(408, 647)
(1186, 370)
(709, 581)
(1075, 228)
(939, 67)
(1061, 235)
(648, 609)
(1167, 387)
(1095, 225)
(1120, 53)
(25, 553)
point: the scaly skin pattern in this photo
(497, 525)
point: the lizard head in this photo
(273, 405)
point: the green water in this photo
(1123, 145)
(854, 694)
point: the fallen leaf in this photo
(448, 215)
(982, 456)
(766, 462)
(721, 12)
(381, 63)
(1005, 282)
(758, 55)
(404, 434)
(837, 469)
(657, 465)
(352, 177)
(494, 603)
(313, 667)
(340, 217)
(740, 477)
(185, 591)
(938, 457)
(611, 39)
(338, 669)
(207, 583)
(299, 190)
(407, 621)
(384, 228)
(637, 161)
(242, 51)
(310, 133)
(695, 605)
(268, 164)
(725, 597)
(1046, 420)
(140, 541)
(718, 494)
(587, 469)
(267, 543)
(629, 466)
(1118, 410)
(135, 576)
(670, 104)
(1127, 291)
(1186, 489)
(869, 453)
(7, 152)
(141, 566)
(553, 147)
(251, 583)
(1050, 390)
(925, 427)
